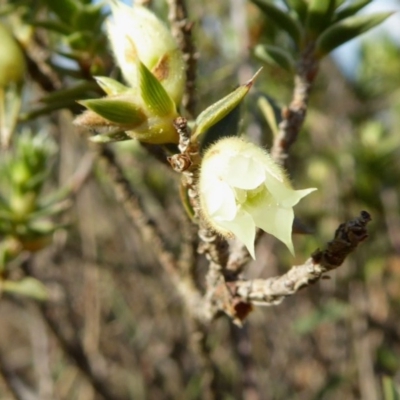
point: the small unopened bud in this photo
(136, 34)
(12, 61)
(241, 188)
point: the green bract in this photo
(214, 113)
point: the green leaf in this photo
(274, 55)
(281, 18)
(338, 3)
(390, 391)
(153, 93)
(319, 16)
(107, 137)
(271, 113)
(347, 29)
(56, 105)
(55, 26)
(350, 9)
(81, 89)
(110, 86)
(65, 9)
(119, 111)
(300, 8)
(186, 202)
(89, 17)
(211, 115)
(227, 126)
(29, 287)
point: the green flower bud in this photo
(136, 34)
(12, 61)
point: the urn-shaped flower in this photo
(241, 188)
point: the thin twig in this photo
(132, 204)
(72, 348)
(293, 116)
(364, 350)
(182, 31)
(243, 350)
(210, 375)
(272, 291)
(17, 387)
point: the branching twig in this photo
(132, 204)
(273, 291)
(129, 199)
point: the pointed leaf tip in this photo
(346, 30)
(110, 86)
(274, 55)
(118, 110)
(214, 113)
(281, 19)
(153, 93)
(251, 81)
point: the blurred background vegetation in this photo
(77, 281)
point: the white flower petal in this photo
(283, 193)
(255, 190)
(220, 201)
(276, 221)
(243, 172)
(295, 197)
(244, 229)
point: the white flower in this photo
(137, 34)
(242, 188)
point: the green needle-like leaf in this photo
(29, 287)
(351, 9)
(110, 86)
(347, 29)
(81, 89)
(338, 3)
(280, 18)
(390, 391)
(119, 111)
(55, 26)
(319, 16)
(107, 137)
(211, 115)
(153, 93)
(274, 55)
(300, 8)
(65, 9)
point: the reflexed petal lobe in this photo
(275, 221)
(244, 229)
